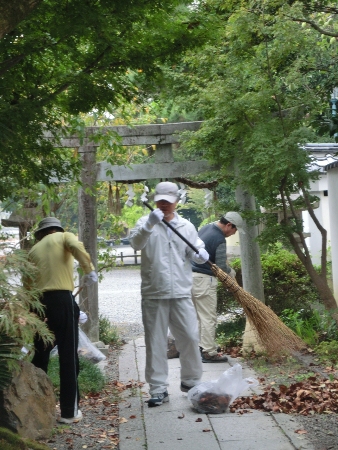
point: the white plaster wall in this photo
(314, 242)
(233, 246)
(333, 206)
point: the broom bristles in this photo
(274, 335)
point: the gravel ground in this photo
(120, 301)
(322, 430)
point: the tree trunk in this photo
(12, 12)
(319, 280)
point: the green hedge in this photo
(286, 283)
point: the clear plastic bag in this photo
(89, 350)
(215, 397)
(86, 349)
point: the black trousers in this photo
(62, 314)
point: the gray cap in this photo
(234, 218)
(166, 191)
(49, 222)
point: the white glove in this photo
(90, 278)
(232, 273)
(83, 317)
(202, 256)
(155, 217)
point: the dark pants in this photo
(62, 313)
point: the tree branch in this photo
(313, 25)
(322, 230)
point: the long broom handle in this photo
(176, 232)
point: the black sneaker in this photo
(219, 358)
(158, 399)
(185, 387)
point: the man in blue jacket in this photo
(204, 291)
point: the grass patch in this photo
(91, 379)
(327, 352)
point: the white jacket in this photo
(165, 261)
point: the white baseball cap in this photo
(235, 218)
(166, 191)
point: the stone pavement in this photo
(173, 425)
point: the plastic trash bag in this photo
(85, 348)
(89, 350)
(215, 397)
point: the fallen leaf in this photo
(198, 419)
(132, 417)
(206, 430)
(300, 431)
(123, 420)
(181, 417)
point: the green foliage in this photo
(9, 353)
(305, 325)
(226, 302)
(257, 84)
(67, 58)
(18, 324)
(18, 300)
(12, 441)
(108, 334)
(230, 333)
(90, 379)
(286, 283)
(313, 326)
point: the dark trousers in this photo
(62, 314)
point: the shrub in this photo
(18, 324)
(286, 283)
(90, 379)
(230, 333)
(108, 334)
(313, 326)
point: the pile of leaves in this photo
(313, 396)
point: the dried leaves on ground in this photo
(313, 396)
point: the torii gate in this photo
(163, 136)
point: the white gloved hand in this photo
(232, 273)
(90, 278)
(155, 217)
(202, 256)
(83, 317)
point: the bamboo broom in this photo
(273, 334)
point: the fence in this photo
(128, 259)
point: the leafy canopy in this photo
(69, 57)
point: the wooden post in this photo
(88, 235)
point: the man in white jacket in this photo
(166, 275)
